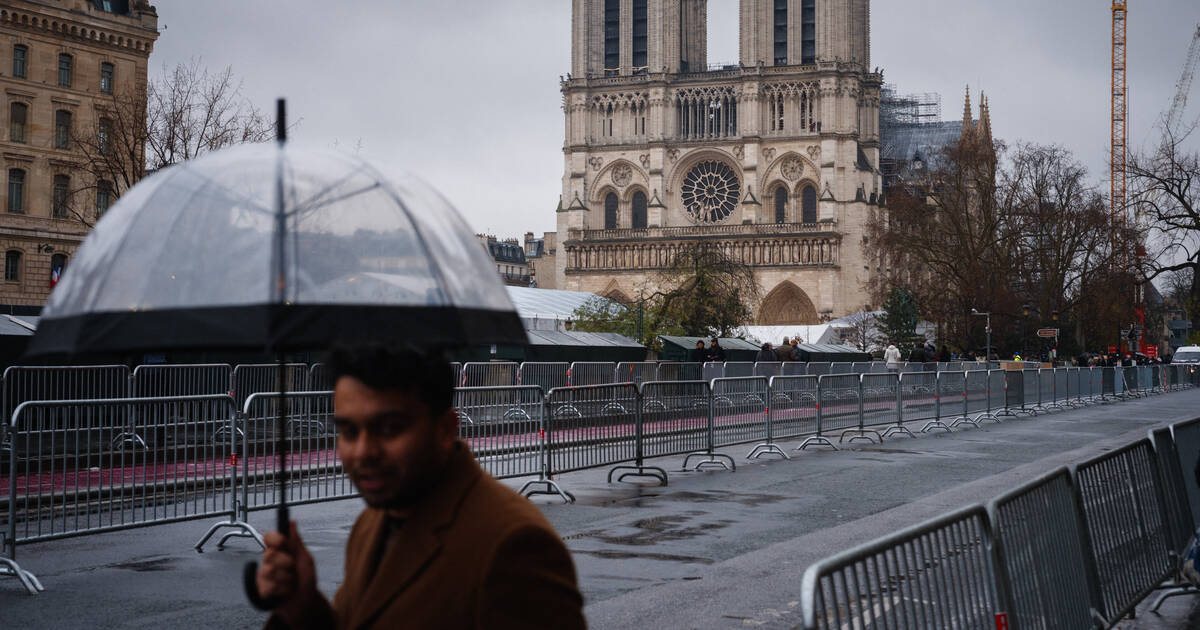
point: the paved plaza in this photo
(713, 549)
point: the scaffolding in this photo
(908, 109)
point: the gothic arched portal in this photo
(787, 305)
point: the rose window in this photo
(710, 191)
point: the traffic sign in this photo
(1049, 333)
(1151, 352)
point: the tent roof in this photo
(550, 303)
(728, 344)
(580, 339)
(11, 325)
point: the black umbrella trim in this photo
(274, 328)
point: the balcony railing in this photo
(737, 229)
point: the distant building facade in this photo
(540, 254)
(774, 159)
(509, 257)
(60, 63)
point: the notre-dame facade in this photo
(774, 159)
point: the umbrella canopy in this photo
(188, 259)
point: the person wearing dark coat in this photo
(699, 354)
(765, 354)
(716, 353)
(917, 355)
(440, 543)
(785, 352)
(944, 355)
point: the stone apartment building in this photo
(61, 63)
(509, 257)
(774, 159)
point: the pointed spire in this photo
(985, 118)
(967, 115)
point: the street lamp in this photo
(987, 352)
(1026, 309)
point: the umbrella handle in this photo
(250, 583)
(250, 571)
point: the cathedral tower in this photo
(774, 159)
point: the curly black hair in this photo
(426, 374)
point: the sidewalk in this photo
(712, 550)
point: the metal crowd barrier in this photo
(585, 373)
(65, 477)
(679, 372)
(506, 428)
(157, 381)
(936, 575)
(491, 374)
(675, 421)
(635, 372)
(796, 411)
(544, 375)
(1079, 547)
(87, 382)
(740, 412)
(256, 378)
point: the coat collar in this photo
(419, 541)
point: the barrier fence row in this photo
(69, 468)
(1077, 548)
(43, 383)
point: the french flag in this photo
(55, 274)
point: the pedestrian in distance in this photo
(796, 341)
(784, 352)
(699, 354)
(715, 352)
(943, 354)
(765, 354)
(440, 543)
(917, 355)
(892, 357)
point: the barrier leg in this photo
(9, 566)
(936, 423)
(236, 521)
(861, 433)
(769, 447)
(1174, 592)
(545, 479)
(899, 427)
(818, 439)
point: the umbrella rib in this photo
(437, 271)
(312, 202)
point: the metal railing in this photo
(77, 467)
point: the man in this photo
(796, 341)
(715, 352)
(699, 354)
(784, 352)
(765, 354)
(440, 544)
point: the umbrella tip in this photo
(281, 120)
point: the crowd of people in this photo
(787, 351)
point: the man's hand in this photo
(287, 572)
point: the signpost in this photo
(1050, 333)
(1151, 352)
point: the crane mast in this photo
(1117, 196)
(1185, 84)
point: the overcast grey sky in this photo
(465, 93)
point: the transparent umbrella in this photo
(200, 256)
(273, 247)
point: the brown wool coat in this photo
(474, 555)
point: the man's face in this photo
(390, 444)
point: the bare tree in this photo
(1167, 198)
(143, 128)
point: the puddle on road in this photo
(648, 497)
(654, 530)
(612, 554)
(145, 566)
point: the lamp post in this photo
(987, 352)
(1026, 309)
(1054, 318)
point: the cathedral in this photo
(774, 159)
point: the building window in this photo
(104, 195)
(16, 191)
(106, 78)
(808, 31)
(612, 37)
(781, 194)
(781, 32)
(610, 211)
(20, 61)
(640, 29)
(62, 129)
(104, 136)
(12, 265)
(808, 204)
(58, 264)
(64, 70)
(17, 114)
(62, 195)
(639, 210)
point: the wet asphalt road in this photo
(713, 549)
